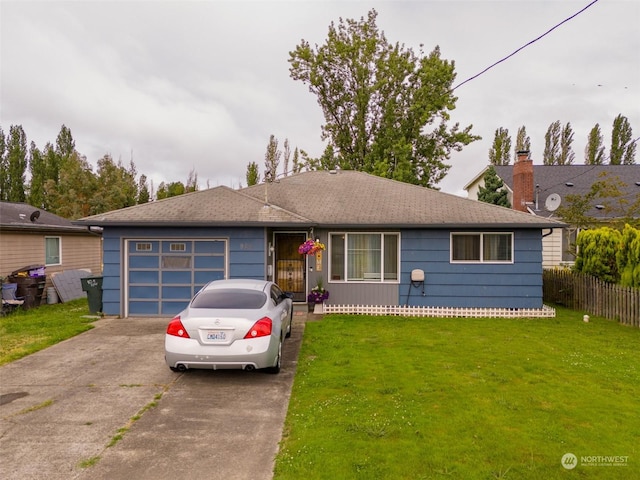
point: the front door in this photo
(290, 266)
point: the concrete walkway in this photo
(62, 407)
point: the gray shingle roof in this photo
(18, 216)
(567, 180)
(322, 198)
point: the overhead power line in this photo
(524, 46)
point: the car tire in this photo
(288, 334)
(276, 368)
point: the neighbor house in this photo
(31, 236)
(376, 231)
(541, 189)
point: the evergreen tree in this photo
(252, 176)
(552, 139)
(523, 143)
(378, 100)
(500, 151)
(493, 190)
(623, 147)
(566, 139)
(297, 164)
(594, 151)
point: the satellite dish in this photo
(35, 215)
(552, 202)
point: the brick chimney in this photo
(522, 181)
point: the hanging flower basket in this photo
(311, 247)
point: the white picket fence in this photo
(444, 312)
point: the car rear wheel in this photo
(290, 324)
(276, 367)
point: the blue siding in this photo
(516, 285)
(246, 249)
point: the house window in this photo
(52, 251)
(364, 257)
(482, 247)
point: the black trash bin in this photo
(30, 281)
(93, 287)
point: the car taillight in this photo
(262, 328)
(176, 328)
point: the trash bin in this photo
(30, 281)
(93, 287)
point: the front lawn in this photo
(27, 331)
(421, 398)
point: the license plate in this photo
(217, 336)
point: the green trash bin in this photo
(93, 287)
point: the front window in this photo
(52, 251)
(364, 257)
(482, 247)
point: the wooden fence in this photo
(593, 296)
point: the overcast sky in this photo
(182, 85)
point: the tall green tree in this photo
(271, 160)
(16, 164)
(493, 190)
(144, 196)
(623, 147)
(115, 186)
(286, 157)
(594, 151)
(500, 151)
(4, 167)
(628, 257)
(253, 175)
(297, 163)
(385, 108)
(172, 189)
(566, 152)
(38, 171)
(596, 253)
(551, 153)
(523, 142)
(71, 197)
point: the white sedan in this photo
(231, 324)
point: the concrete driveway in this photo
(62, 407)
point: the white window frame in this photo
(46, 257)
(346, 258)
(481, 260)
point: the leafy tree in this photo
(628, 257)
(253, 175)
(37, 168)
(65, 144)
(71, 196)
(551, 154)
(566, 139)
(297, 164)
(287, 157)
(4, 167)
(115, 186)
(173, 189)
(523, 142)
(16, 164)
(500, 151)
(271, 159)
(379, 100)
(594, 151)
(623, 147)
(597, 253)
(493, 190)
(192, 182)
(144, 196)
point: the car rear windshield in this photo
(230, 298)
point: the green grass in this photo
(421, 398)
(27, 331)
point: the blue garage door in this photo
(163, 275)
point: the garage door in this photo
(163, 275)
